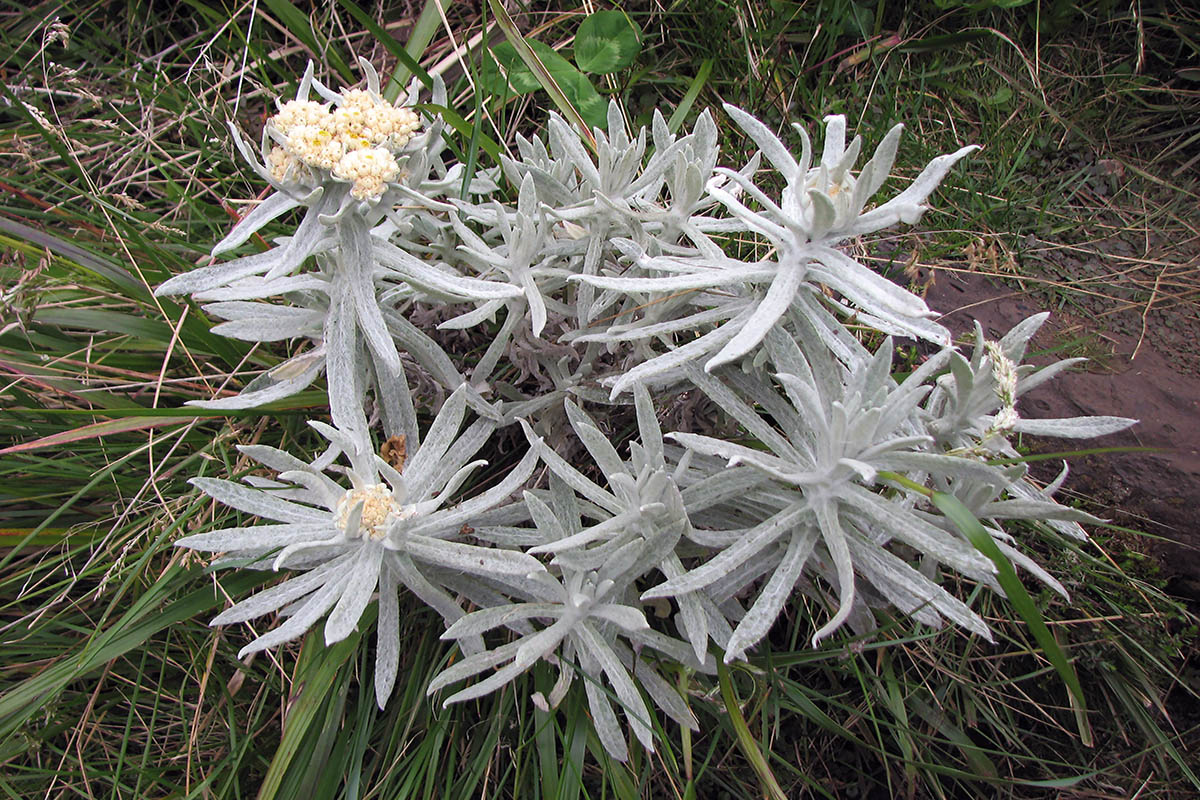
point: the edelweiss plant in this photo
(589, 595)
(348, 163)
(389, 529)
(807, 472)
(820, 207)
(828, 456)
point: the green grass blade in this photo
(297, 23)
(745, 739)
(509, 28)
(95, 430)
(409, 56)
(81, 257)
(689, 97)
(315, 716)
(23, 701)
(418, 41)
(970, 527)
(466, 129)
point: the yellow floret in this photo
(349, 121)
(362, 116)
(315, 146)
(379, 510)
(357, 143)
(352, 117)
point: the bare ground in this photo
(1157, 492)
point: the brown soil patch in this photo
(1155, 492)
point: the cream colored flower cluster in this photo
(357, 141)
(378, 510)
(1005, 373)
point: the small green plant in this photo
(606, 42)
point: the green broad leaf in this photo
(966, 522)
(1001, 96)
(580, 91)
(532, 56)
(860, 20)
(505, 74)
(502, 73)
(607, 41)
(574, 84)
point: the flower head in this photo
(369, 168)
(364, 116)
(296, 113)
(355, 138)
(282, 165)
(315, 146)
(377, 509)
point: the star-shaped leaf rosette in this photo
(583, 614)
(836, 432)
(820, 207)
(346, 163)
(388, 529)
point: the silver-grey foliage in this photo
(386, 530)
(613, 275)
